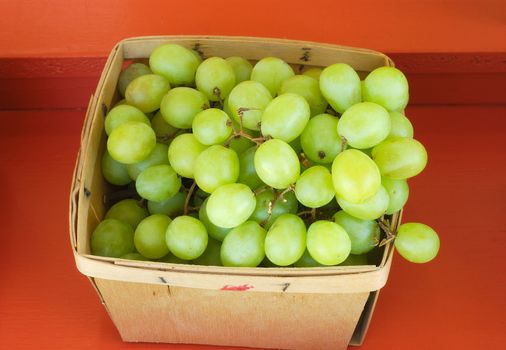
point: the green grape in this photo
(183, 151)
(131, 142)
(355, 260)
(215, 78)
(216, 166)
(370, 209)
(134, 256)
(122, 114)
(112, 238)
(400, 157)
(240, 144)
(175, 62)
(230, 205)
(388, 87)
(114, 172)
(271, 72)
(328, 243)
(247, 173)
(212, 126)
(120, 102)
(128, 211)
(320, 141)
(307, 87)
(417, 242)
(199, 197)
(186, 237)
(401, 126)
(211, 256)
(133, 71)
(146, 92)
(158, 156)
(164, 131)
(172, 259)
(214, 231)
(364, 125)
(242, 68)
(180, 105)
(149, 236)
(364, 234)
(313, 73)
(251, 98)
(340, 85)
(314, 187)
(356, 177)
(285, 117)
(398, 193)
(158, 183)
(277, 164)
(285, 241)
(267, 263)
(244, 245)
(296, 146)
(268, 201)
(172, 206)
(307, 261)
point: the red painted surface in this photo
(240, 288)
(90, 28)
(455, 302)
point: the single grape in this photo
(177, 63)
(122, 114)
(355, 176)
(199, 197)
(158, 156)
(172, 206)
(320, 141)
(230, 205)
(364, 125)
(340, 85)
(180, 105)
(277, 164)
(248, 99)
(242, 68)
(133, 71)
(146, 92)
(355, 260)
(244, 245)
(134, 256)
(214, 231)
(215, 78)
(269, 206)
(216, 166)
(183, 151)
(328, 243)
(112, 238)
(401, 126)
(369, 209)
(149, 236)
(158, 183)
(212, 126)
(114, 172)
(164, 131)
(398, 193)
(271, 72)
(417, 242)
(128, 211)
(307, 260)
(186, 237)
(285, 117)
(314, 187)
(131, 142)
(285, 241)
(240, 144)
(313, 73)
(364, 234)
(247, 173)
(386, 86)
(212, 254)
(296, 146)
(307, 87)
(400, 157)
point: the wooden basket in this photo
(287, 308)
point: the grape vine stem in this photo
(188, 196)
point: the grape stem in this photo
(384, 224)
(188, 196)
(344, 143)
(303, 159)
(273, 202)
(311, 212)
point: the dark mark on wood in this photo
(286, 285)
(104, 109)
(168, 291)
(198, 50)
(306, 53)
(162, 279)
(301, 68)
(87, 192)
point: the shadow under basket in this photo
(283, 308)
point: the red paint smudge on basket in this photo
(242, 288)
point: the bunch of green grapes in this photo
(237, 164)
